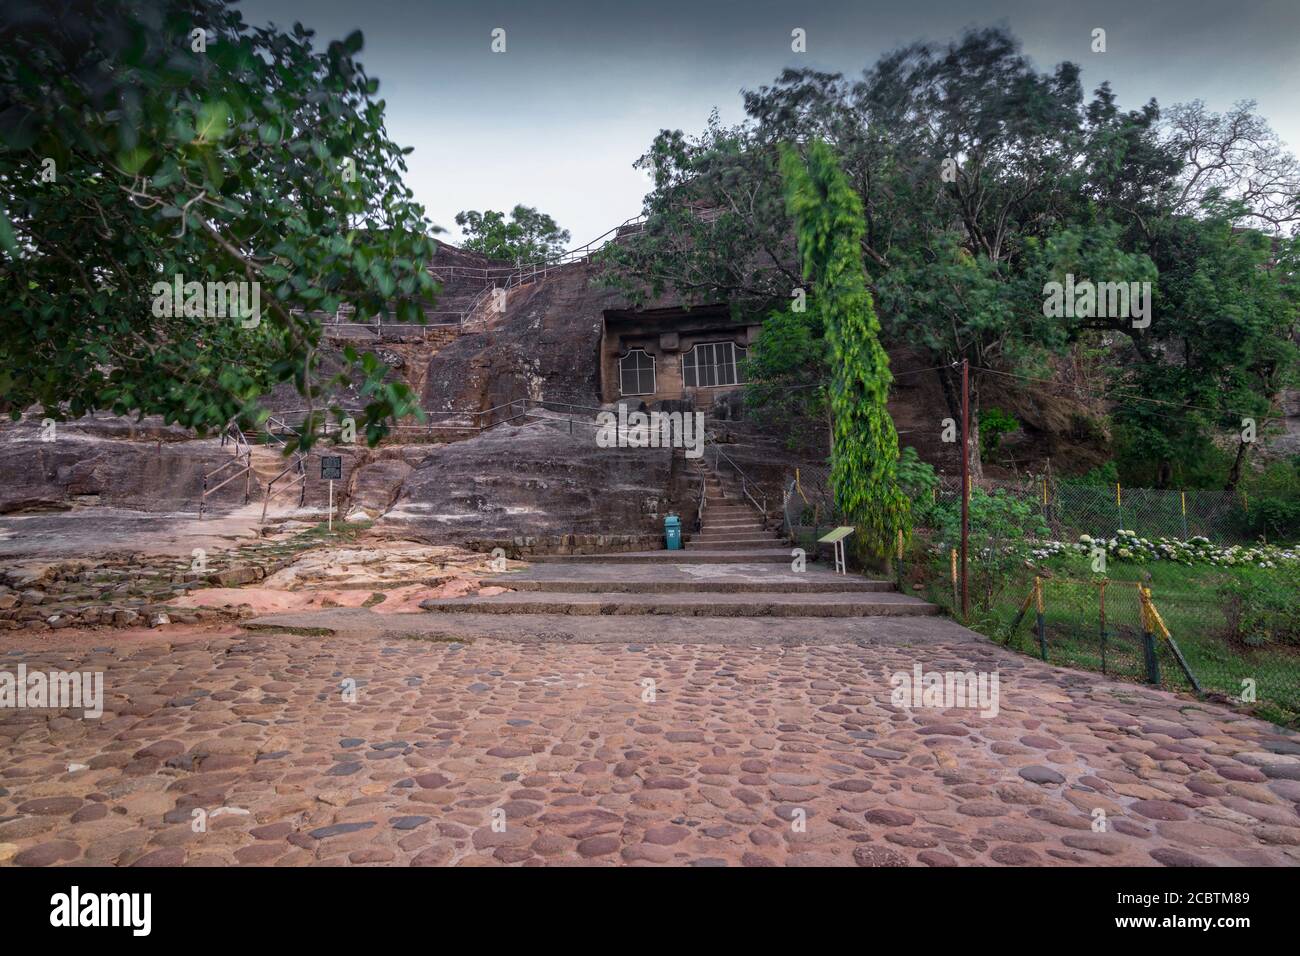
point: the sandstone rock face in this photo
(375, 487)
(536, 480)
(543, 346)
(88, 463)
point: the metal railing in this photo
(525, 273)
(297, 465)
(243, 455)
(704, 494)
(492, 277)
(746, 482)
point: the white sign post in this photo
(836, 539)
(331, 467)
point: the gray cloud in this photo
(557, 120)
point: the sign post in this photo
(331, 468)
(836, 540)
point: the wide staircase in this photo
(735, 566)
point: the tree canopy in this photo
(156, 139)
(527, 236)
(983, 180)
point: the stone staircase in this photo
(733, 567)
(730, 521)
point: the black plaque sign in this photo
(331, 467)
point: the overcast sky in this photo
(583, 87)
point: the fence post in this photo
(1102, 604)
(900, 559)
(1042, 627)
(955, 598)
(1119, 507)
(1183, 495)
(1148, 639)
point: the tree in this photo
(158, 139)
(716, 228)
(1234, 156)
(785, 375)
(981, 179)
(864, 457)
(1219, 351)
(528, 236)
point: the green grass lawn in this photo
(1187, 599)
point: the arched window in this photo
(710, 364)
(636, 373)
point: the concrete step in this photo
(813, 583)
(730, 526)
(694, 556)
(753, 604)
(732, 544)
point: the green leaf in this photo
(7, 238)
(133, 160)
(213, 121)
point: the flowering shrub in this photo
(1128, 546)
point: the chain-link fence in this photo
(809, 506)
(1201, 629)
(1229, 631)
(1069, 510)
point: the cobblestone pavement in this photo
(495, 752)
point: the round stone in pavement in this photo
(51, 806)
(45, 854)
(1170, 856)
(336, 829)
(167, 856)
(598, 846)
(890, 818)
(870, 855)
(1036, 774)
(407, 823)
(1160, 810)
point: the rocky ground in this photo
(223, 747)
(297, 566)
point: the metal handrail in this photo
(298, 462)
(704, 493)
(243, 454)
(745, 481)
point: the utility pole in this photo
(965, 483)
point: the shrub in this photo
(994, 423)
(1003, 531)
(1261, 608)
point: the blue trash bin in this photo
(673, 532)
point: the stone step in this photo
(814, 582)
(710, 525)
(694, 556)
(732, 544)
(753, 604)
